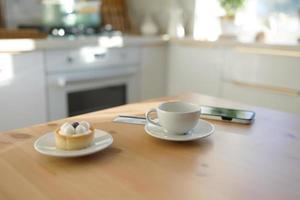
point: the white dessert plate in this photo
(46, 145)
(202, 130)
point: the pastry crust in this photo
(73, 142)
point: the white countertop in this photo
(23, 45)
(235, 43)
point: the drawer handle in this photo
(70, 59)
(100, 55)
(282, 90)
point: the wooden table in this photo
(261, 161)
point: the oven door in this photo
(77, 93)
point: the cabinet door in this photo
(261, 97)
(153, 74)
(194, 69)
(272, 69)
(22, 90)
(263, 79)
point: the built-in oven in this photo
(111, 80)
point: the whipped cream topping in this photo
(75, 128)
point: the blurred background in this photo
(60, 58)
(274, 21)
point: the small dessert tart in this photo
(74, 136)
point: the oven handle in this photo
(64, 81)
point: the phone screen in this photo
(227, 113)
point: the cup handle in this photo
(148, 118)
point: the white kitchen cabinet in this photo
(153, 71)
(265, 79)
(22, 90)
(194, 69)
(281, 71)
(261, 97)
(257, 76)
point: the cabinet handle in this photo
(100, 55)
(282, 90)
(268, 51)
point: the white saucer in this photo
(46, 145)
(202, 130)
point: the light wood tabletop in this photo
(258, 161)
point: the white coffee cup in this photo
(175, 117)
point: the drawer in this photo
(266, 69)
(90, 57)
(261, 96)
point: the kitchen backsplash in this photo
(1, 15)
(30, 11)
(22, 12)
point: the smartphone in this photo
(226, 114)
